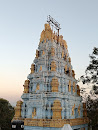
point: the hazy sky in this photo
(21, 23)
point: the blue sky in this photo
(21, 23)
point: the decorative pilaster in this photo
(55, 36)
(40, 69)
(69, 87)
(53, 66)
(62, 54)
(43, 53)
(78, 90)
(73, 86)
(69, 71)
(65, 69)
(34, 113)
(65, 56)
(37, 87)
(54, 84)
(61, 40)
(79, 110)
(73, 73)
(73, 110)
(52, 51)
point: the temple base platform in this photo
(66, 127)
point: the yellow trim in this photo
(54, 122)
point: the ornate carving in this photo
(66, 56)
(40, 69)
(73, 73)
(73, 110)
(46, 34)
(26, 86)
(69, 60)
(37, 53)
(32, 68)
(42, 36)
(34, 113)
(53, 66)
(43, 53)
(48, 31)
(79, 110)
(69, 71)
(65, 68)
(73, 86)
(78, 90)
(56, 110)
(37, 87)
(61, 40)
(55, 36)
(54, 84)
(69, 87)
(18, 109)
(52, 51)
(62, 54)
(65, 44)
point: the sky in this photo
(21, 23)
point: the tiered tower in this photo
(51, 96)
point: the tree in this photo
(91, 72)
(91, 78)
(6, 114)
(92, 112)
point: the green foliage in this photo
(91, 72)
(92, 112)
(6, 114)
(91, 78)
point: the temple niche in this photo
(51, 96)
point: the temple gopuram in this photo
(51, 97)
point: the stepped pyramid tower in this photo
(51, 96)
